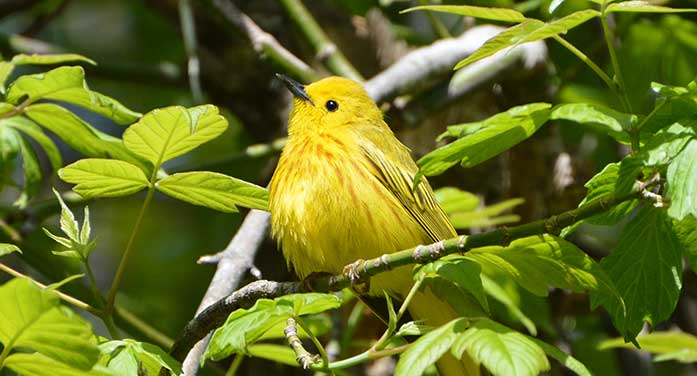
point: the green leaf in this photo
(493, 14)
(668, 142)
(37, 365)
(413, 329)
(127, 355)
(496, 291)
(318, 325)
(502, 132)
(426, 350)
(646, 266)
(603, 119)
(31, 317)
(501, 350)
(6, 249)
(9, 150)
(682, 175)
(166, 133)
(453, 200)
(79, 135)
(6, 69)
(32, 130)
(246, 326)
(487, 216)
(528, 30)
(68, 84)
(214, 190)
(686, 231)
(644, 7)
(537, 262)
(31, 168)
(275, 353)
(462, 272)
(104, 177)
(565, 359)
(669, 345)
(23, 59)
(68, 224)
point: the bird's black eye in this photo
(331, 105)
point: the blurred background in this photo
(142, 62)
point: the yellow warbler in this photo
(342, 191)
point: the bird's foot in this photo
(360, 284)
(308, 282)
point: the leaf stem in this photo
(621, 88)
(436, 24)
(109, 309)
(603, 76)
(235, 365)
(18, 109)
(384, 339)
(143, 327)
(325, 50)
(315, 341)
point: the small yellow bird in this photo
(342, 191)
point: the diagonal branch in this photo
(215, 314)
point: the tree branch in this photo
(213, 316)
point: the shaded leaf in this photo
(214, 190)
(565, 359)
(32, 130)
(493, 14)
(646, 267)
(6, 69)
(37, 365)
(496, 291)
(501, 133)
(501, 350)
(104, 178)
(31, 170)
(686, 231)
(462, 272)
(682, 175)
(166, 133)
(453, 200)
(426, 350)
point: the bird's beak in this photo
(295, 87)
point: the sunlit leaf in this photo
(493, 14)
(500, 134)
(682, 175)
(49, 59)
(214, 190)
(496, 291)
(605, 120)
(32, 130)
(462, 272)
(671, 345)
(644, 7)
(104, 177)
(6, 69)
(667, 143)
(565, 359)
(6, 249)
(686, 231)
(502, 350)
(31, 170)
(646, 267)
(126, 356)
(426, 350)
(276, 353)
(37, 364)
(166, 133)
(453, 200)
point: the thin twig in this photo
(326, 51)
(215, 314)
(186, 17)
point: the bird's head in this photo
(329, 104)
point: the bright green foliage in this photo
(464, 273)
(104, 177)
(32, 318)
(493, 14)
(37, 364)
(637, 6)
(499, 133)
(463, 209)
(37, 59)
(166, 133)
(668, 142)
(682, 182)
(501, 350)
(276, 353)
(35, 132)
(528, 30)
(6, 249)
(246, 326)
(77, 244)
(429, 348)
(130, 357)
(646, 267)
(567, 360)
(671, 345)
(214, 190)
(686, 231)
(606, 120)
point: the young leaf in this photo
(647, 269)
(68, 224)
(429, 348)
(214, 190)
(528, 30)
(23, 59)
(68, 84)
(104, 177)
(37, 364)
(493, 14)
(501, 350)
(32, 130)
(501, 133)
(32, 317)
(166, 133)
(682, 175)
(669, 345)
(644, 7)
(79, 135)
(6, 249)
(126, 356)
(606, 120)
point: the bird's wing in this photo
(395, 169)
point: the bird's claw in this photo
(358, 283)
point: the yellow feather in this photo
(342, 192)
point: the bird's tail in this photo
(433, 311)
